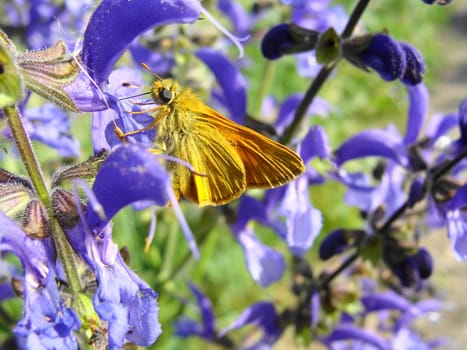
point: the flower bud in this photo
(415, 65)
(338, 241)
(48, 71)
(64, 207)
(86, 170)
(286, 39)
(385, 56)
(35, 220)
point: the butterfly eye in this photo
(165, 95)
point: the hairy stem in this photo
(23, 143)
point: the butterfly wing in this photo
(220, 174)
(267, 163)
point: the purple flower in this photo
(127, 303)
(232, 82)
(237, 15)
(185, 327)
(315, 145)
(128, 175)
(122, 83)
(339, 241)
(457, 223)
(163, 60)
(344, 333)
(85, 93)
(373, 142)
(51, 126)
(279, 40)
(438, 2)
(122, 299)
(415, 68)
(114, 25)
(263, 315)
(132, 174)
(303, 221)
(265, 265)
(393, 60)
(310, 19)
(387, 144)
(403, 335)
(47, 322)
(388, 193)
(385, 56)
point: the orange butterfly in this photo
(228, 158)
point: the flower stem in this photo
(268, 74)
(306, 102)
(23, 143)
(322, 75)
(345, 264)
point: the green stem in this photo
(27, 154)
(23, 143)
(263, 89)
(206, 224)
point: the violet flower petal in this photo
(373, 142)
(262, 315)
(303, 221)
(185, 327)
(315, 144)
(265, 265)
(128, 175)
(418, 108)
(115, 23)
(386, 56)
(237, 15)
(230, 79)
(348, 332)
(457, 223)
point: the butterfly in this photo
(228, 158)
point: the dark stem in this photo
(306, 102)
(354, 18)
(322, 76)
(345, 264)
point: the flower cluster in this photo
(57, 244)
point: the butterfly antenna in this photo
(145, 66)
(138, 95)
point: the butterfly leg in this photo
(162, 109)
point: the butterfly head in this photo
(164, 91)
